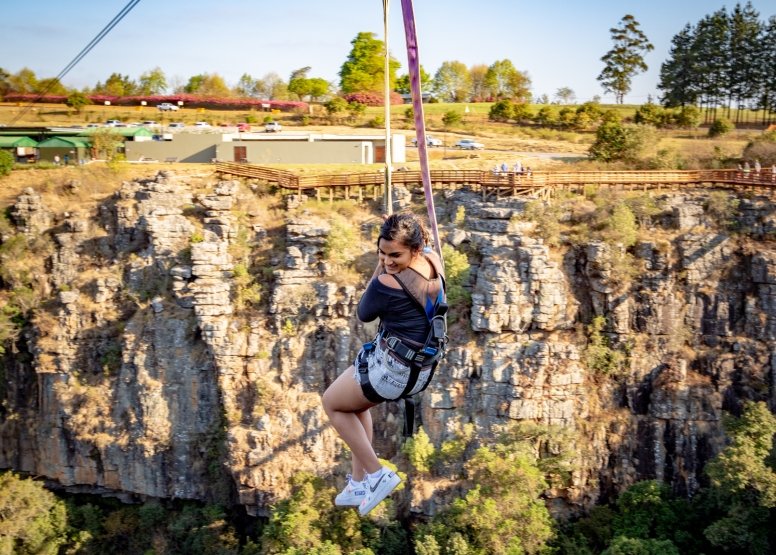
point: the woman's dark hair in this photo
(407, 229)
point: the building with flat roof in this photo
(264, 148)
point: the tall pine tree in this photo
(626, 59)
(678, 75)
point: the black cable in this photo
(88, 48)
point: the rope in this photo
(420, 125)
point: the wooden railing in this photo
(538, 183)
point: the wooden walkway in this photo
(539, 184)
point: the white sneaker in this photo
(374, 494)
(352, 495)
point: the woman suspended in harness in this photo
(407, 294)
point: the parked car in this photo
(150, 123)
(121, 125)
(273, 127)
(167, 107)
(227, 125)
(177, 125)
(469, 144)
(135, 124)
(243, 127)
(112, 123)
(430, 141)
(202, 125)
(92, 125)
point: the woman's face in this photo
(394, 256)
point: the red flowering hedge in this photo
(374, 98)
(189, 101)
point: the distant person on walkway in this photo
(504, 167)
(67, 160)
(773, 172)
(495, 170)
(757, 167)
(747, 169)
(517, 168)
(56, 159)
(740, 170)
(528, 172)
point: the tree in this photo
(271, 87)
(452, 82)
(651, 114)
(477, 76)
(364, 68)
(315, 87)
(105, 141)
(503, 81)
(503, 514)
(5, 85)
(632, 546)
(23, 81)
(208, 84)
(152, 82)
(52, 85)
(32, 521)
(117, 85)
(77, 100)
(678, 73)
(626, 59)
(246, 87)
(615, 141)
(744, 482)
(565, 95)
(403, 82)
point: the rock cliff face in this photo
(141, 373)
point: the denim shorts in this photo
(388, 375)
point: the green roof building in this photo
(76, 148)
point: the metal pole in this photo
(388, 192)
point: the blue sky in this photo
(559, 42)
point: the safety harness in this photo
(416, 357)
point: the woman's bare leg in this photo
(342, 401)
(366, 421)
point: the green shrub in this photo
(111, 358)
(197, 237)
(451, 118)
(546, 217)
(409, 113)
(650, 114)
(546, 116)
(722, 208)
(32, 520)
(250, 118)
(501, 111)
(6, 163)
(288, 328)
(247, 293)
(599, 356)
(419, 451)
(689, 117)
(336, 105)
(377, 121)
(268, 119)
(721, 127)
(615, 141)
(460, 217)
(340, 242)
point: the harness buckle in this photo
(392, 342)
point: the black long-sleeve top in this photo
(396, 310)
